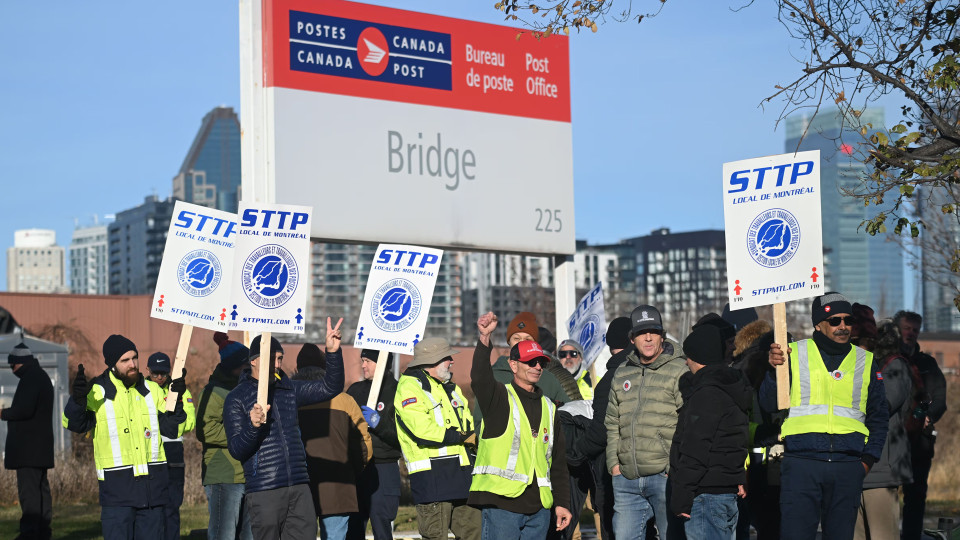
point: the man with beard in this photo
(433, 424)
(835, 428)
(267, 440)
(127, 414)
(570, 355)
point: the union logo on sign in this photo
(199, 273)
(589, 332)
(395, 305)
(773, 238)
(270, 276)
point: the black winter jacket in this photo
(273, 455)
(710, 443)
(386, 446)
(30, 420)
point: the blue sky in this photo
(100, 102)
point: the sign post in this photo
(774, 238)
(272, 254)
(193, 286)
(396, 304)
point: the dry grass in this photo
(74, 479)
(945, 475)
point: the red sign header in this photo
(388, 54)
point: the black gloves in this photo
(179, 385)
(80, 387)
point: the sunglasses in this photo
(835, 321)
(532, 363)
(571, 354)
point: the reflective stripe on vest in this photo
(510, 462)
(114, 433)
(154, 428)
(807, 416)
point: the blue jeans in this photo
(635, 502)
(713, 517)
(224, 502)
(499, 524)
(334, 527)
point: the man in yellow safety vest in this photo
(521, 464)
(835, 428)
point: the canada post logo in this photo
(370, 51)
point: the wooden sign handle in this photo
(179, 361)
(263, 373)
(377, 380)
(783, 370)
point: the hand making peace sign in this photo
(333, 336)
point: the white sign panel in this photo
(588, 325)
(271, 272)
(363, 99)
(773, 229)
(396, 304)
(194, 285)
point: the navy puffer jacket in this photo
(273, 455)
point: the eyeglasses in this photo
(571, 354)
(532, 363)
(835, 321)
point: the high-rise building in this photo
(210, 174)
(866, 269)
(136, 241)
(938, 241)
(35, 263)
(89, 259)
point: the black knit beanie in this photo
(116, 346)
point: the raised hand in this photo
(80, 387)
(179, 385)
(333, 336)
(486, 324)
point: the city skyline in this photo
(639, 165)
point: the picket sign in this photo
(179, 362)
(783, 370)
(377, 380)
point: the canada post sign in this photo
(362, 50)
(773, 229)
(392, 109)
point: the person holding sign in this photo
(127, 415)
(517, 478)
(267, 440)
(433, 424)
(835, 428)
(378, 490)
(158, 371)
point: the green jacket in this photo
(642, 412)
(219, 467)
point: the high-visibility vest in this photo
(188, 408)
(586, 392)
(428, 415)
(507, 464)
(127, 432)
(827, 402)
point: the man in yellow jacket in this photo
(127, 416)
(433, 423)
(158, 371)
